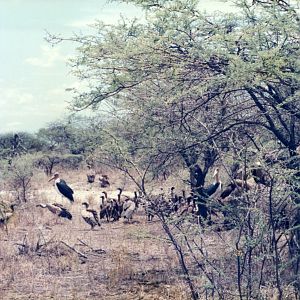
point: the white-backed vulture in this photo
(90, 216)
(57, 209)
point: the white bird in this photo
(90, 216)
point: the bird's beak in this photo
(51, 178)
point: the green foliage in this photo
(182, 60)
(71, 161)
(15, 144)
(18, 175)
(49, 160)
(188, 89)
(76, 135)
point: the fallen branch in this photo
(98, 251)
(76, 251)
(85, 244)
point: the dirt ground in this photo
(42, 257)
(46, 257)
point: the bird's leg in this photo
(58, 221)
(6, 228)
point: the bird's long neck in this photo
(119, 194)
(217, 177)
(102, 200)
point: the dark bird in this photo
(57, 209)
(243, 184)
(105, 207)
(228, 190)
(104, 181)
(62, 188)
(90, 216)
(178, 48)
(120, 202)
(91, 174)
(260, 175)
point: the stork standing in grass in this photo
(62, 188)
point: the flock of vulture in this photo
(110, 208)
(113, 209)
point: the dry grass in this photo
(135, 268)
(118, 264)
(62, 259)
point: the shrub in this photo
(19, 174)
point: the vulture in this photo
(62, 188)
(57, 209)
(90, 216)
(104, 181)
(6, 212)
(228, 190)
(91, 174)
(245, 184)
(149, 210)
(105, 206)
(260, 175)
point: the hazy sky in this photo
(33, 75)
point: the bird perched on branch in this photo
(57, 209)
(90, 216)
(62, 188)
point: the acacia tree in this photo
(141, 67)
(195, 80)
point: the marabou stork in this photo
(90, 216)
(57, 209)
(62, 188)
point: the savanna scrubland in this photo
(185, 93)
